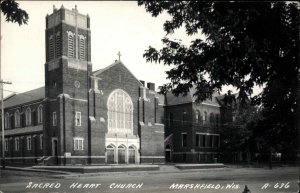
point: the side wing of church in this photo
(80, 116)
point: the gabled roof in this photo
(171, 99)
(97, 72)
(26, 97)
(117, 62)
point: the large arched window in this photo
(40, 114)
(17, 118)
(28, 116)
(120, 109)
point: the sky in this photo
(115, 26)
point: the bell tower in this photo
(67, 70)
(68, 52)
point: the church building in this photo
(83, 116)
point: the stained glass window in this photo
(120, 111)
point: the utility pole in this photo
(2, 106)
(2, 120)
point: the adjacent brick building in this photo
(83, 116)
(192, 129)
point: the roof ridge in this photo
(99, 71)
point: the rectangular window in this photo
(6, 144)
(197, 140)
(216, 141)
(54, 119)
(202, 140)
(41, 141)
(28, 142)
(78, 118)
(184, 138)
(78, 143)
(17, 144)
(209, 141)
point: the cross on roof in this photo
(119, 54)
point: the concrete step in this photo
(199, 166)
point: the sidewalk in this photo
(56, 172)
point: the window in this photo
(209, 141)
(183, 139)
(197, 140)
(6, 144)
(81, 47)
(6, 121)
(212, 119)
(217, 120)
(28, 142)
(17, 118)
(41, 141)
(205, 117)
(216, 141)
(40, 114)
(51, 47)
(71, 51)
(28, 116)
(78, 118)
(202, 141)
(58, 45)
(17, 143)
(54, 119)
(78, 143)
(184, 114)
(197, 116)
(120, 110)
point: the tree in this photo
(237, 134)
(13, 13)
(246, 44)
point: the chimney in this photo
(143, 82)
(151, 86)
(54, 9)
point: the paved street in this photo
(231, 180)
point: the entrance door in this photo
(131, 155)
(121, 154)
(168, 153)
(110, 154)
(55, 150)
(54, 146)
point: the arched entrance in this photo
(110, 154)
(121, 154)
(131, 154)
